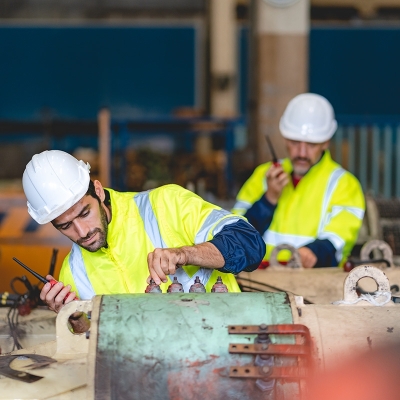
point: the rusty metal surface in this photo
(275, 364)
(176, 346)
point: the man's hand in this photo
(163, 262)
(55, 296)
(277, 179)
(308, 258)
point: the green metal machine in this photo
(176, 346)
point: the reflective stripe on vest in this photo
(332, 184)
(78, 270)
(215, 216)
(150, 222)
(153, 231)
(275, 238)
(242, 205)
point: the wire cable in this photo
(267, 286)
(12, 317)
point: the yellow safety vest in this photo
(327, 203)
(166, 217)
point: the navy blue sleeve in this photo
(325, 252)
(260, 214)
(241, 246)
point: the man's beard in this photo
(101, 233)
(301, 171)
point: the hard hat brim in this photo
(310, 137)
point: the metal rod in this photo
(397, 161)
(351, 140)
(363, 157)
(375, 160)
(387, 166)
(40, 277)
(338, 145)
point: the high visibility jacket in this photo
(327, 203)
(166, 217)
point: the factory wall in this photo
(150, 70)
(73, 71)
(146, 71)
(356, 68)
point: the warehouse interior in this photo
(185, 92)
(152, 92)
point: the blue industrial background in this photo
(357, 70)
(137, 71)
(144, 72)
(71, 72)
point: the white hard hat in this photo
(308, 117)
(54, 181)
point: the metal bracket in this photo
(301, 350)
(264, 372)
(294, 261)
(6, 370)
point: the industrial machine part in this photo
(375, 247)
(152, 287)
(294, 261)
(24, 331)
(381, 222)
(197, 286)
(175, 286)
(16, 330)
(352, 263)
(219, 286)
(205, 345)
(6, 370)
(319, 285)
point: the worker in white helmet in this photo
(121, 240)
(306, 200)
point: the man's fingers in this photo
(155, 269)
(44, 291)
(172, 267)
(55, 296)
(71, 297)
(60, 298)
(274, 172)
(283, 182)
(153, 275)
(163, 262)
(308, 258)
(53, 292)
